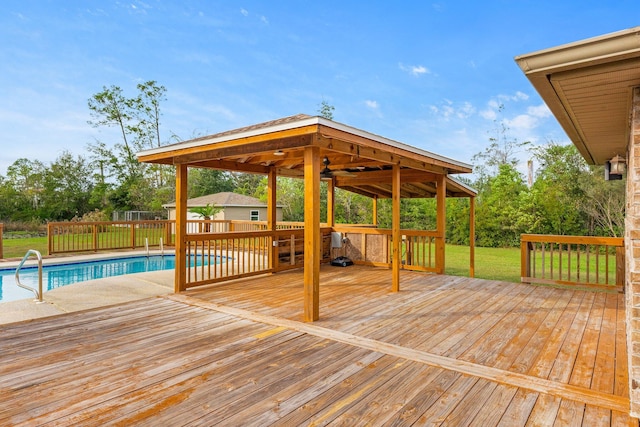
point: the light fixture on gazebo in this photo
(618, 165)
(278, 153)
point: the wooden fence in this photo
(68, 237)
(572, 260)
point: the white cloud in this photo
(415, 70)
(372, 104)
(541, 111)
(522, 122)
(264, 19)
(518, 96)
(245, 12)
(489, 114)
(449, 110)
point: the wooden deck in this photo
(445, 350)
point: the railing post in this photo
(620, 268)
(95, 237)
(133, 234)
(49, 239)
(525, 260)
(1, 246)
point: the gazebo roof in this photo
(359, 161)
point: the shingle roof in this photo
(225, 199)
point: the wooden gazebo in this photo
(314, 148)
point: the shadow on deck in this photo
(444, 349)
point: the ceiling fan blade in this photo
(342, 173)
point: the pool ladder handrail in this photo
(146, 246)
(38, 292)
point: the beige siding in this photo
(232, 213)
(632, 244)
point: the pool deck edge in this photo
(88, 295)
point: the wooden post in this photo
(620, 268)
(311, 234)
(331, 194)
(395, 229)
(525, 260)
(133, 234)
(1, 245)
(441, 221)
(272, 219)
(180, 283)
(49, 239)
(94, 228)
(374, 212)
(472, 236)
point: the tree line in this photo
(564, 196)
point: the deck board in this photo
(447, 350)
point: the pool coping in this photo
(89, 294)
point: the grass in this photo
(16, 248)
(490, 263)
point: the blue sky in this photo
(429, 74)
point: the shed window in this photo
(254, 216)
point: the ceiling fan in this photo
(327, 173)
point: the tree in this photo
(326, 110)
(604, 202)
(209, 181)
(123, 181)
(67, 188)
(502, 150)
(23, 189)
(111, 108)
(207, 213)
(499, 218)
(557, 192)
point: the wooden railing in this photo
(65, 237)
(572, 260)
(1, 245)
(215, 257)
(372, 246)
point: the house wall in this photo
(232, 213)
(632, 248)
(244, 213)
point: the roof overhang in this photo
(588, 86)
(353, 153)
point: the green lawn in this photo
(491, 263)
(16, 248)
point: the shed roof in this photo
(588, 86)
(224, 199)
(360, 161)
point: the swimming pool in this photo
(55, 276)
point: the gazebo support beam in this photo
(472, 236)
(441, 221)
(272, 219)
(395, 229)
(180, 282)
(311, 234)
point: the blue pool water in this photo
(54, 276)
